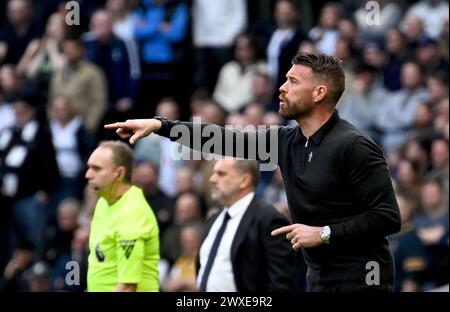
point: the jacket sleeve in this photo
(371, 185)
(261, 145)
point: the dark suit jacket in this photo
(260, 262)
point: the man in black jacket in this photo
(237, 251)
(337, 183)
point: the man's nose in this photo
(282, 89)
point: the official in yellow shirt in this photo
(124, 235)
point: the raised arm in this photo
(261, 145)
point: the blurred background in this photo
(223, 61)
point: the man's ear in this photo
(319, 93)
(120, 172)
(245, 179)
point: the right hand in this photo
(135, 129)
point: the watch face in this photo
(325, 233)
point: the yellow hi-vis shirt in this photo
(124, 244)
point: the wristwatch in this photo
(325, 233)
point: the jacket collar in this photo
(320, 134)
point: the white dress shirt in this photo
(221, 276)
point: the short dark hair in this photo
(122, 155)
(248, 166)
(328, 68)
(75, 36)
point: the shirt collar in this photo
(239, 207)
(318, 136)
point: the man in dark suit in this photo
(237, 251)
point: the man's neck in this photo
(310, 124)
(117, 192)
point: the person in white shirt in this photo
(433, 13)
(234, 86)
(215, 26)
(237, 251)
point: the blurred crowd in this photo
(223, 61)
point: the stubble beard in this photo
(293, 111)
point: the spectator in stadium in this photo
(338, 237)
(215, 27)
(124, 235)
(234, 85)
(158, 151)
(80, 254)
(18, 32)
(423, 121)
(409, 182)
(10, 82)
(29, 173)
(363, 99)
(14, 277)
(397, 112)
(412, 27)
(437, 86)
(45, 55)
(433, 230)
(395, 43)
(123, 27)
(109, 52)
(439, 162)
(73, 145)
(146, 176)
(187, 212)
(433, 13)
(242, 256)
(348, 31)
(441, 119)
(262, 90)
(38, 277)
(283, 42)
(211, 112)
(415, 151)
(160, 30)
(410, 257)
(59, 241)
(6, 111)
(182, 275)
(345, 52)
(83, 82)
(254, 114)
(429, 56)
(326, 34)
